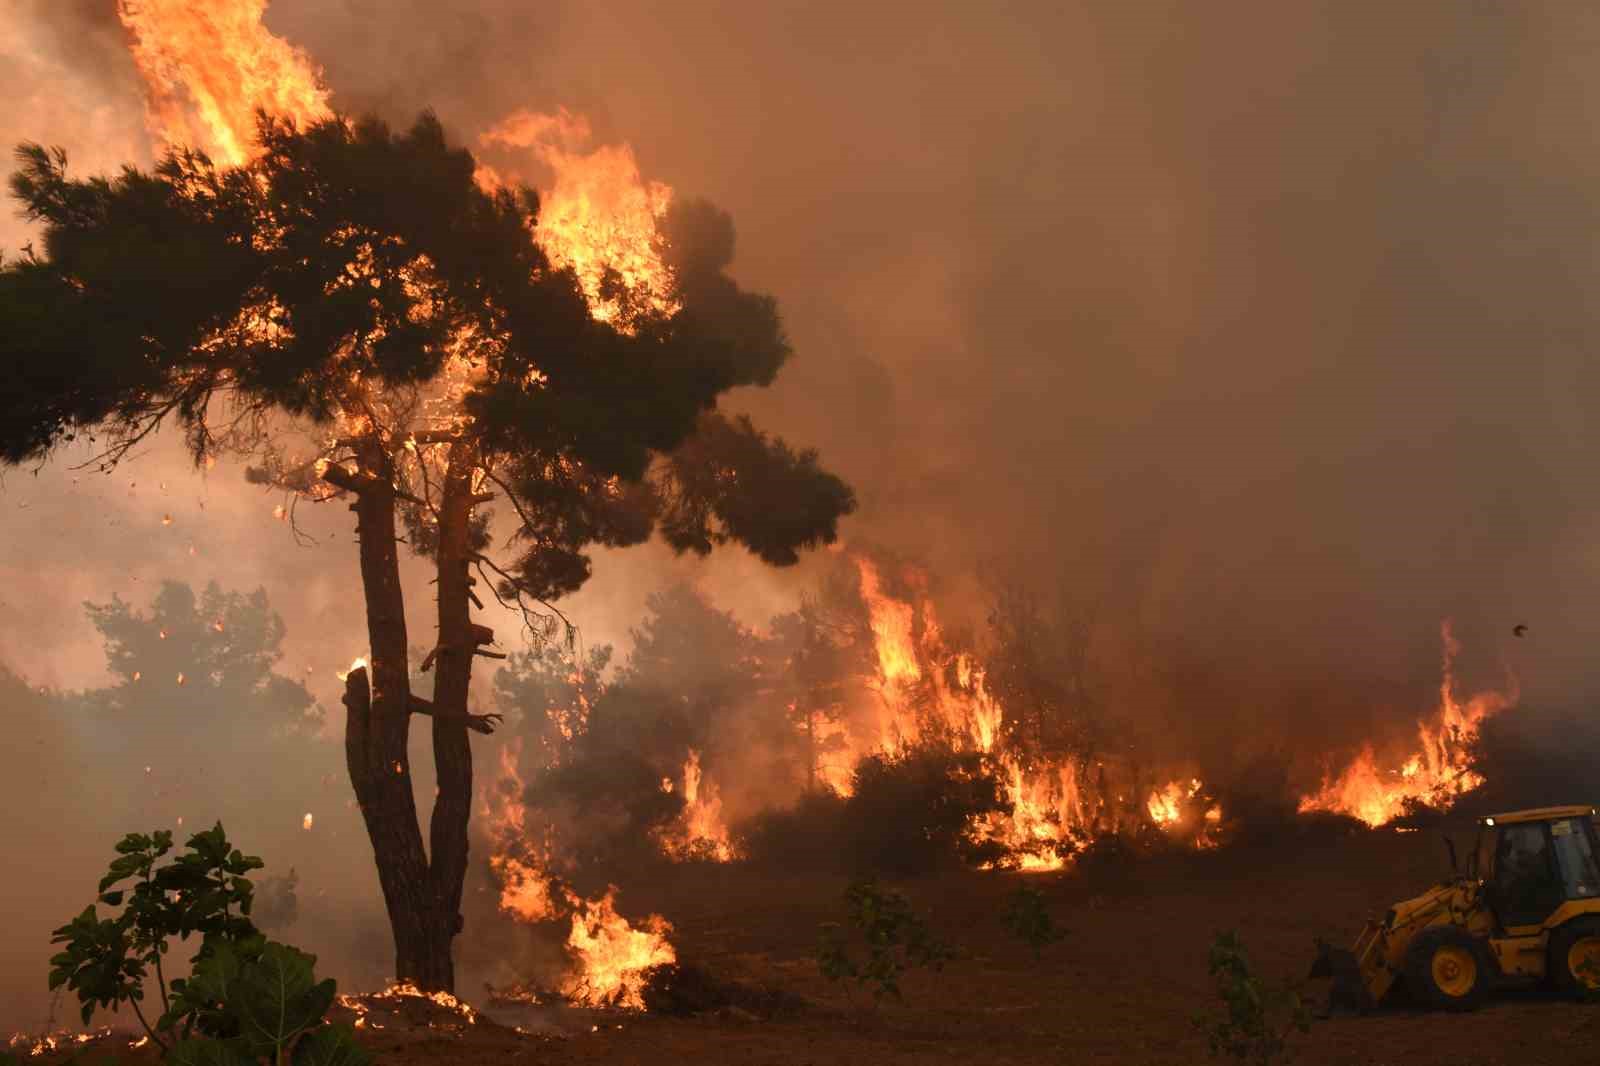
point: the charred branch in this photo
(478, 723)
(360, 484)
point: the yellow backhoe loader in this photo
(1525, 910)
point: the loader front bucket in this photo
(1348, 994)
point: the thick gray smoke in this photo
(1264, 330)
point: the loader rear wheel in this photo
(1575, 958)
(1447, 968)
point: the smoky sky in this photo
(1265, 328)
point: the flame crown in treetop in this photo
(361, 278)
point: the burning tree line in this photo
(712, 740)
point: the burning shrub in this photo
(807, 836)
(613, 802)
(909, 813)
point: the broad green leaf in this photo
(330, 1045)
(215, 976)
(277, 997)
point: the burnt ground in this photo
(1122, 988)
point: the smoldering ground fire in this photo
(1257, 576)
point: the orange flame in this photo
(608, 955)
(701, 832)
(927, 692)
(208, 67)
(599, 215)
(612, 955)
(1436, 774)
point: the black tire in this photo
(1459, 979)
(1560, 968)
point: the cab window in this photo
(1574, 848)
(1483, 860)
(1526, 885)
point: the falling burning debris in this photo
(308, 821)
(1436, 774)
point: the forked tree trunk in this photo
(423, 898)
(452, 755)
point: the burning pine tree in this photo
(352, 308)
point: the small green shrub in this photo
(1026, 918)
(895, 939)
(246, 1000)
(107, 960)
(1256, 1019)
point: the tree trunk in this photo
(376, 728)
(452, 754)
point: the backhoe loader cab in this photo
(1526, 909)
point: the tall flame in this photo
(609, 956)
(925, 692)
(1436, 774)
(207, 69)
(598, 216)
(701, 832)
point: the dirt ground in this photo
(1121, 988)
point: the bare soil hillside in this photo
(1122, 988)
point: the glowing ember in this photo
(1435, 775)
(207, 68)
(308, 821)
(597, 217)
(35, 1046)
